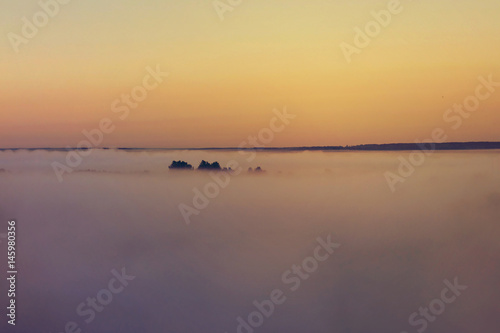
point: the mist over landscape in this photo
(120, 209)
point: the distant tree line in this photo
(204, 165)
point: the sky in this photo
(229, 69)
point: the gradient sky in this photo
(227, 76)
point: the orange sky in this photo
(226, 76)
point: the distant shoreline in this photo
(364, 147)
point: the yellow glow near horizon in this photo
(227, 76)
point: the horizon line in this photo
(327, 147)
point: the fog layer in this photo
(121, 209)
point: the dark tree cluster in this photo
(180, 165)
(204, 165)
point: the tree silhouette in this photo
(204, 165)
(180, 165)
